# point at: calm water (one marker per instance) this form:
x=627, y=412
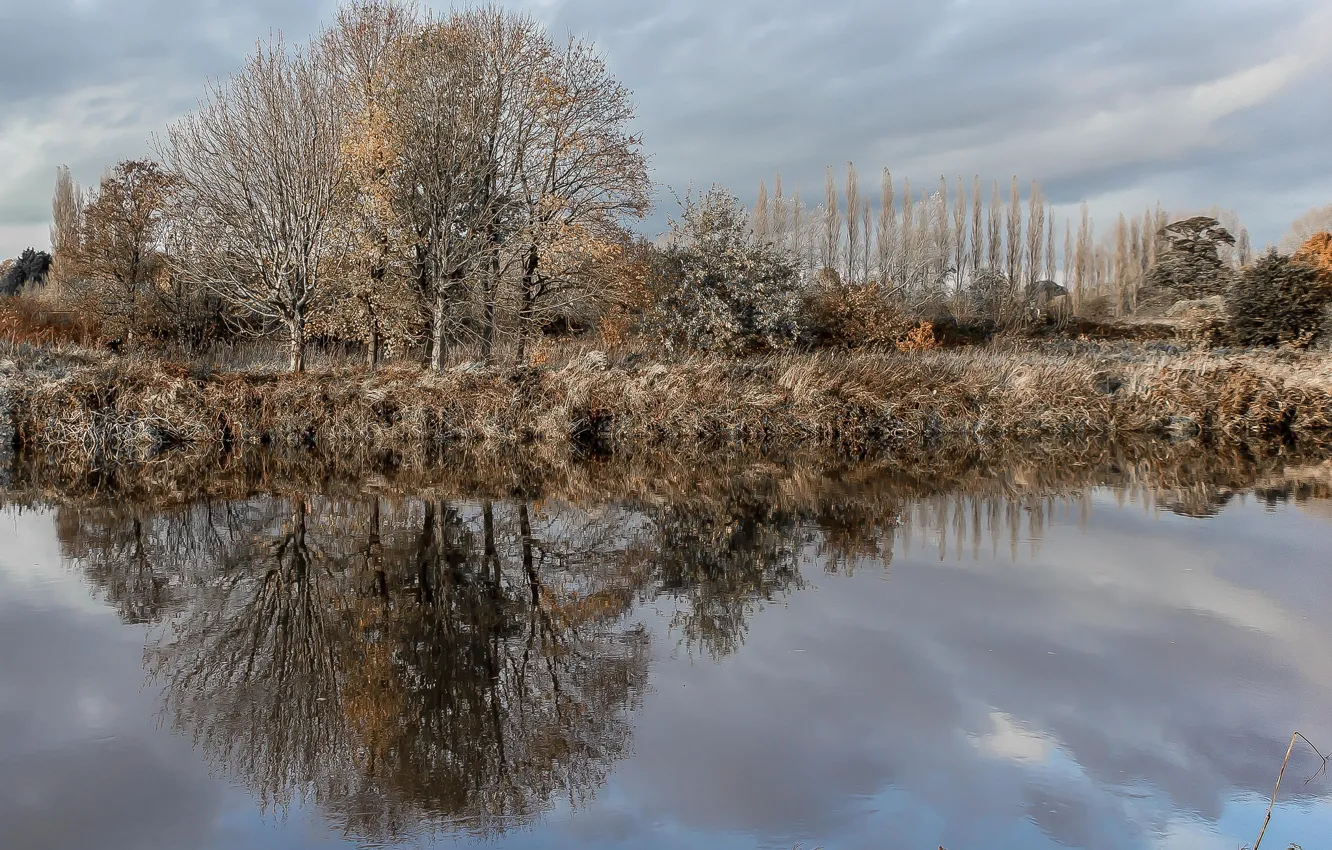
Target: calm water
x=1086, y=671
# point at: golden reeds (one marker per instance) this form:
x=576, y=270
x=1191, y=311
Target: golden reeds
x=856, y=404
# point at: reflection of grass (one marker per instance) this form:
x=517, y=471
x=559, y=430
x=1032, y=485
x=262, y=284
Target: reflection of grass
x=1298, y=736
x=1191, y=477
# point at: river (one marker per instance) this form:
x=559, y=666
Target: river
x=837, y=667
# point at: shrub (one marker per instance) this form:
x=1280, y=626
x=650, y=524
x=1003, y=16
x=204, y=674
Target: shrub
x=852, y=316
x=30, y=269
x=24, y=319
x=1317, y=253
x=919, y=338
x=1277, y=301
x=718, y=288
x=997, y=299
x=1191, y=266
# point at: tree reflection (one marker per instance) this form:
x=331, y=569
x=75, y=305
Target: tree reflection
x=723, y=559
x=411, y=665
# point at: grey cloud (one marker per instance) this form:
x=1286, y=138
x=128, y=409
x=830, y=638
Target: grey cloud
x=1096, y=100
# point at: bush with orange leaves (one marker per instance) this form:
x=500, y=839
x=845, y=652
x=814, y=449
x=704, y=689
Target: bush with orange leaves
x=854, y=315
x=919, y=338
x=1317, y=252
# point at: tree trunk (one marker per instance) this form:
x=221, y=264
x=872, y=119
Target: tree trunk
x=373, y=346
x=491, y=287
x=437, y=334
x=296, y=327
x=527, y=298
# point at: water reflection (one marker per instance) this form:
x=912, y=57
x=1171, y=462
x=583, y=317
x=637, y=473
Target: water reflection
x=415, y=665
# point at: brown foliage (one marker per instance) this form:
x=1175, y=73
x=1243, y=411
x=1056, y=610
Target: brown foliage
x=1317, y=252
x=854, y=315
x=119, y=250
x=26, y=320
x=919, y=338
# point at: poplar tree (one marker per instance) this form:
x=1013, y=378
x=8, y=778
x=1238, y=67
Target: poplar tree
x=960, y=254
x=852, y=221
x=1070, y=275
x=1014, y=240
x=832, y=223
x=887, y=242
x=995, y=214
x=867, y=238
x=780, y=223
x=907, y=239
x=1050, y=245
x=942, y=234
x=1035, y=232
x=761, y=213
x=977, y=235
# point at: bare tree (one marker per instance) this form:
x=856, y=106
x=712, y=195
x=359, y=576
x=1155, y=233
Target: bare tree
x=852, y=221
x=1050, y=270
x=977, y=235
x=1070, y=276
x=995, y=227
x=866, y=239
x=832, y=223
x=374, y=298
x=1121, y=266
x=781, y=215
x=584, y=172
x=760, y=216
x=797, y=227
x=907, y=237
x=1014, y=240
x=435, y=129
x=942, y=233
x=887, y=244
x=1035, y=231
x=261, y=162
x=960, y=254
x=1084, y=259
x=67, y=203
x=1316, y=220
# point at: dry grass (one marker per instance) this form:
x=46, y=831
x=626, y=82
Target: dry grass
x=94, y=412
x=37, y=321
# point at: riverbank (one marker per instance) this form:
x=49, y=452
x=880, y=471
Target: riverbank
x=91, y=411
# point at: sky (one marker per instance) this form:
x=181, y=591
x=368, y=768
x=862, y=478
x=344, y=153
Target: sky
x=1193, y=103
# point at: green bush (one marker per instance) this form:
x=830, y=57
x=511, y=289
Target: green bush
x=1277, y=301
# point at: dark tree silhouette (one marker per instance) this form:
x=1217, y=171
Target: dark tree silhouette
x=29, y=269
x=1191, y=265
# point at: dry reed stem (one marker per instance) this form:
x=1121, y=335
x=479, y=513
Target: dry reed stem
x=1272, y=803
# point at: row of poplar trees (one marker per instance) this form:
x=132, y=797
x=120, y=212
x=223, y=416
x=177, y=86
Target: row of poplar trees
x=402, y=177
x=953, y=240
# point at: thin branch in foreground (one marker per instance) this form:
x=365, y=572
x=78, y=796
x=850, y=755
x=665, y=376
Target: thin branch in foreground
x=1272, y=803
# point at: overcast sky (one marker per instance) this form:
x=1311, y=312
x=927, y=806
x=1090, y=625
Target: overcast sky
x=1191, y=102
